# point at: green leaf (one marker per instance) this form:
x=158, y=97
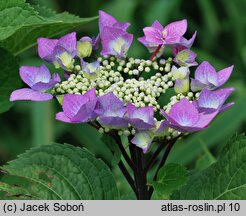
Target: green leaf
x=114, y=148
x=204, y=162
x=62, y=172
x=224, y=180
x=9, y=79
x=21, y=24
x=171, y=177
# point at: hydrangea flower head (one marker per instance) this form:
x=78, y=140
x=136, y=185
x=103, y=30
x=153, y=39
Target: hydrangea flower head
x=124, y=96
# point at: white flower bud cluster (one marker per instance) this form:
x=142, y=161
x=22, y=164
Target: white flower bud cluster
x=110, y=78
x=135, y=67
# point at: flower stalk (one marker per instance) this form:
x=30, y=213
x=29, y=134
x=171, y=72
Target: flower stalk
x=156, y=51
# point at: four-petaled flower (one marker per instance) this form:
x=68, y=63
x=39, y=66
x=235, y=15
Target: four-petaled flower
x=168, y=35
x=207, y=77
x=140, y=118
x=111, y=111
x=90, y=70
x=115, y=42
x=214, y=100
x=186, y=117
x=59, y=52
x=78, y=108
x=39, y=80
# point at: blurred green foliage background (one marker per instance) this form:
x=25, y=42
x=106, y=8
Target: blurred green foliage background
x=221, y=39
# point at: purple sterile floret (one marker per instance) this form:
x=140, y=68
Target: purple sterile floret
x=90, y=69
x=171, y=34
x=206, y=76
x=185, y=117
x=51, y=50
x=111, y=111
x=39, y=80
x=214, y=100
x=115, y=42
x=78, y=108
x=186, y=58
x=106, y=20
x=140, y=118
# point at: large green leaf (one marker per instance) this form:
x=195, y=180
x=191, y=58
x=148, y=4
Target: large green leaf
x=225, y=179
x=21, y=24
x=9, y=79
x=61, y=172
x=171, y=177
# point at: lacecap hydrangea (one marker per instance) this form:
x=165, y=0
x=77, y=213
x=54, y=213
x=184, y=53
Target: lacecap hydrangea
x=146, y=100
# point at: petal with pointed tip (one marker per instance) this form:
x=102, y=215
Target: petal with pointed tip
x=62, y=117
x=105, y=19
x=46, y=48
x=28, y=74
x=156, y=24
x=213, y=99
x=174, y=31
x=69, y=43
x=206, y=74
x=29, y=94
x=224, y=75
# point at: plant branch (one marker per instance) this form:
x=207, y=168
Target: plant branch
x=123, y=151
x=128, y=177
x=142, y=178
x=93, y=125
x=153, y=158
